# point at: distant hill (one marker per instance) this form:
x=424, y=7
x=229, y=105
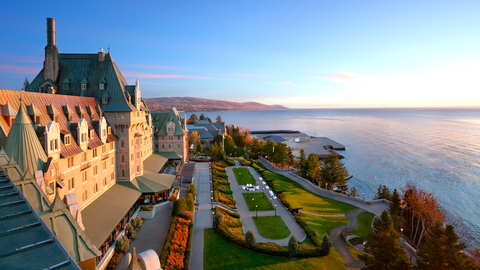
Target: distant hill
x=191, y=104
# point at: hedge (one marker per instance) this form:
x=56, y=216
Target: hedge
x=223, y=182
x=189, y=246
x=232, y=214
x=224, y=190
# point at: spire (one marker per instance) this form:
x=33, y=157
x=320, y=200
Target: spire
x=134, y=265
x=22, y=144
x=25, y=84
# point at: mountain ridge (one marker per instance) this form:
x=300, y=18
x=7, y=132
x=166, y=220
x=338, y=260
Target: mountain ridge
x=192, y=104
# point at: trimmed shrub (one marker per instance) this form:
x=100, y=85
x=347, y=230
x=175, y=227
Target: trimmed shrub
x=292, y=246
x=224, y=190
x=179, y=206
x=137, y=222
x=192, y=189
x=190, y=202
x=223, y=182
x=188, y=215
x=168, y=242
x=130, y=232
x=218, y=219
x=326, y=245
x=189, y=246
x=146, y=208
x=250, y=239
x=226, y=212
x=122, y=244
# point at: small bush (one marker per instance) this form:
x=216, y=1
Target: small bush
x=192, y=189
x=130, y=231
x=250, y=239
x=190, y=202
x=179, y=206
x=137, y=222
x=146, y=208
x=188, y=215
x=122, y=244
x=293, y=246
x=218, y=219
x=326, y=245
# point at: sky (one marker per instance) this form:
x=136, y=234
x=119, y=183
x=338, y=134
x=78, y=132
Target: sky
x=300, y=54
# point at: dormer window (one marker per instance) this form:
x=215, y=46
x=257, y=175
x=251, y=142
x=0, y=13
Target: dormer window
x=92, y=134
x=101, y=84
x=109, y=130
x=65, y=84
x=84, y=83
x=67, y=140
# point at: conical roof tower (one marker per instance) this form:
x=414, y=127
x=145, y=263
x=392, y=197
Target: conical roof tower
x=22, y=144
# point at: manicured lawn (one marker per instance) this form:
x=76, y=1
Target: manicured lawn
x=243, y=176
x=355, y=253
x=262, y=202
x=227, y=187
x=364, y=224
x=323, y=225
x=297, y=196
x=272, y=227
x=221, y=254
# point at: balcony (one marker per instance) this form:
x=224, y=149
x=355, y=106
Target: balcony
x=85, y=166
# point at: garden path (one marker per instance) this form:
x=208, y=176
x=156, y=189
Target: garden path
x=203, y=218
x=247, y=216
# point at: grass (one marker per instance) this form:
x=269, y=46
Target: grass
x=323, y=225
x=272, y=227
x=297, y=196
x=227, y=187
x=262, y=202
x=352, y=251
x=243, y=176
x=364, y=224
x=221, y=254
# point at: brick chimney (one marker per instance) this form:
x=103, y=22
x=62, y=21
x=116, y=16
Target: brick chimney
x=51, y=65
x=101, y=55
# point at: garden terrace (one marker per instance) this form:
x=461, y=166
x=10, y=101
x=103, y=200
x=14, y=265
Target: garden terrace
x=262, y=201
x=271, y=227
x=243, y=176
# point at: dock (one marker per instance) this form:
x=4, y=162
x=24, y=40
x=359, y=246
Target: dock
x=322, y=147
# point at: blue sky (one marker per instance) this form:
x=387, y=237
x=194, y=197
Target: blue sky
x=301, y=54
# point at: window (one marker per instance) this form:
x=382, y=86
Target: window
x=95, y=171
x=65, y=86
x=123, y=173
x=85, y=195
x=111, y=146
x=163, y=146
x=71, y=183
x=53, y=172
x=105, y=181
x=104, y=165
x=112, y=161
x=95, y=188
x=138, y=168
x=123, y=159
x=67, y=139
x=122, y=144
x=92, y=132
x=121, y=129
x=84, y=86
x=179, y=146
x=138, y=155
x=94, y=151
x=101, y=86
x=138, y=114
x=70, y=162
x=112, y=176
x=169, y=146
x=84, y=176
x=104, y=148
x=137, y=141
x=131, y=156
x=179, y=138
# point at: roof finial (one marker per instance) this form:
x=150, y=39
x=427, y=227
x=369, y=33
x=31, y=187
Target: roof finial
x=108, y=48
x=20, y=97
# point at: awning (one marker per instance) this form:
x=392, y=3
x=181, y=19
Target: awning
x=102, y=216
x=170, y=155
x=154, y=182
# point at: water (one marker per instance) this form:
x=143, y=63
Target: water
x=439, y=149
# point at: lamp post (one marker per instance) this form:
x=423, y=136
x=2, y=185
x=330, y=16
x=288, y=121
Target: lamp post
x=256, y=210
x=213, y=222
x=253, y=203
x=271, y=198
x=401, y=230
x=263, y=192
x=191, y=148
x=275, y=209
x=363, y=196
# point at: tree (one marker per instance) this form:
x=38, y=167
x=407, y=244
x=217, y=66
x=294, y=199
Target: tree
x=229, y=145
x=441, y=250
x=255, y=145
x=218, y=119
x=194, y=138
x=190, y=202
x=122, y=244
x=333, y=172
x=250, y=239
x=240, y=141
x=310, y=165
x=293, y=246
x=326, y=245
x=217, y=152
x=179, y=206
x=202, y=117
x=383, y=192
x=395, y=209
x=353, y=192
x=383, y=249
x=193, y=119
x=199, y=148
x=269, y=148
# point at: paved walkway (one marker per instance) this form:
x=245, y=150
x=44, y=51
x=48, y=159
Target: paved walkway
x=335, y=235
x=153, y=232
x=203, y=218
x=246, y=216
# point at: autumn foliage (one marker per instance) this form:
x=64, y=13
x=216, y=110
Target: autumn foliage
x=176, y=256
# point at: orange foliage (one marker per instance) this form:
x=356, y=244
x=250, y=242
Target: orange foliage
x=179, y=245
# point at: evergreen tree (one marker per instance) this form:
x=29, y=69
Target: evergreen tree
x=293, y=246
x=333, y=172
x=240, y=141
x=199, y=148
x=193, y=119
x=301, y=163
x=255, y=145
x=383, y=192
x=353, y=192
x=218, y=119
x=311, y=164
x=395, y=209
x=218, y=219
x=441, y=250
x=383, y=249
x=202, y=117
x=326, y=245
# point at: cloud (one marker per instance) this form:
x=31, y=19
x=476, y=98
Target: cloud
x=289, y=83
x=149, y=66
x=345, y=78
x=163, y=76
x=19, y=70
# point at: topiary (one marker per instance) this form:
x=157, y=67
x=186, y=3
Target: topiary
x=218, y=219
x=136, y=222
x=190, y=202
x=179, y=206
x=250, y=239
x=130, y=231
x=122, y=244
x=326, y=245
x=293, y=246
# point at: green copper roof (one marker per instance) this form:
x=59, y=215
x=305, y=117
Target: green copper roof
x=23, y=146
x=78, y=68
x=164, y=118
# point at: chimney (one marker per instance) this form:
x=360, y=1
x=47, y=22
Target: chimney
x=50, y=65
x=101, y=55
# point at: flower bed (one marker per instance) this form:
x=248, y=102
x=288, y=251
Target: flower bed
x=178, y=245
